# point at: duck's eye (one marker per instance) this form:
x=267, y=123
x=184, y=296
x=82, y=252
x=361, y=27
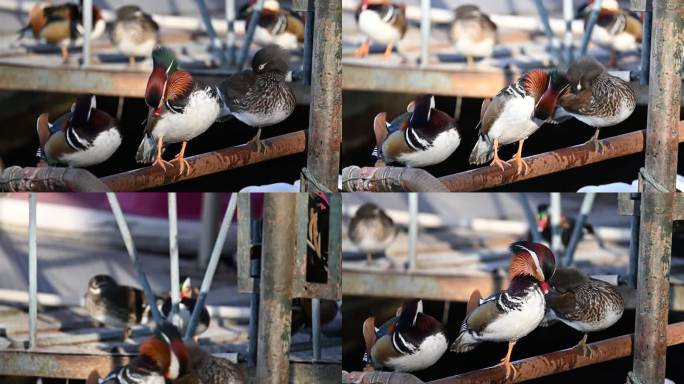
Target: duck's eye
x=262, y=66
x=579, y=86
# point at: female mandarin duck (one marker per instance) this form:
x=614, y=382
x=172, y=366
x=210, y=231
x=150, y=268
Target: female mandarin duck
x=515, y=312
x=515, y=113
x=134, y=32
x=381, y=21
x=409, y=342
x=371, y=230
x=420, y=137
x=84, y=137
x=472, y=32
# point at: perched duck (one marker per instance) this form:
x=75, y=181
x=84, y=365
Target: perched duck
x=382, y=22
x=302, y=313
x=277, y=25
x=83, y=137
x=134, y=33
x=515, y=312
x=420, y=137
x=583, y=303
x=180, y=110
x=162, y=357
x=472, y=32
x=188, y=299
x=114, y=305
x=207, y=369
x=62, y=24
x=371, y=230
x=617, y=30
x=260, y=97
x=566, y=225
x=409, y=342
x=515, y=113
x=595, y=97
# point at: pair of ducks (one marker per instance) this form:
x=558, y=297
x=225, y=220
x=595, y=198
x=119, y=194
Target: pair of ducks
x=165, y=358
x=180, y=109
x=538, y=294
x=425, y=136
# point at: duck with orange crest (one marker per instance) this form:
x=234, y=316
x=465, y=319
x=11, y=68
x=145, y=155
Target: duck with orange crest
x=277, y=25
x=515, y=113
x=511, y=314
x=420, y=137
x=180, y=109
x=188, y=300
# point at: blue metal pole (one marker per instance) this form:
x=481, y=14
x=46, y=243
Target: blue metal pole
x=589, y=27
x=568, y=15
x=544, y=17
x=529, y=216
x=173, y=253
x=308, y=40
x=87, y=30
x=555, y=216
x=646, y=44
x=206, y=18
x=249, y=33
x=316, y=328
x=587, y=203
x=634, y=226
x=211, y=268
x=424, y=32
x=413, y=229
x=230, y=32
x=255, y=274
x=33, y=271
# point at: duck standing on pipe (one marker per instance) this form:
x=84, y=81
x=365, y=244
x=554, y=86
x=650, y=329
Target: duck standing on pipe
x=381, y=21
x=277, y=25
x=134, y=32
x=472, y=32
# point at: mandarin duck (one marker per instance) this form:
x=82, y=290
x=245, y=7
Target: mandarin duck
x=596, y=98
x=382, y=22
x=616, y=29
x=582, y=303
x=188, y=299
x=420, y=137
x=515, y=113
x=162, y=357
x=260, y=97
x=83, y=137
x=472, y=32
x=409, y=342
x=62, y=24
x=180, y=109
x=277, y=25
x=513, y=313
x=567, y=224
x=115, y=305
x=134, y=32
x=205, y=368
x=371, y=230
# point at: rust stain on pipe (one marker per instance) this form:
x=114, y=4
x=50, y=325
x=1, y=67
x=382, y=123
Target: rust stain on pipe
x=561, y=361
x=208, y=163
x=550, y=162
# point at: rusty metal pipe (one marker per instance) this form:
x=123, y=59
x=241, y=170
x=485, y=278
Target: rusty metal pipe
x=378, y=377
x=561, y=361
x=208, y=163
x=49, y=179
x=558, y=160
x=275, y=307
x=389, y=179
x=325, y=116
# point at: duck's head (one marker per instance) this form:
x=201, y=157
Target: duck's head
x=422, y=108
x=99, y=282
x=186, y=289
x=583, y=72
x=546, y=88
x=167, y=350
x=82, y=109
x=271, y=59
x=534, y=260
x=164, y=65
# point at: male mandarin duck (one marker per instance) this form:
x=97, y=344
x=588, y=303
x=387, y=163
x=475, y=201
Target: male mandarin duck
x=382, y=22
x=616, y=29
x=371, y=230
x=515, y=312
x=472, y=32
x=583, y=303
x=277, y=25
x=260, y=97
x=595, y=97
x=115, y=305
x=83, y=137
x=134, y=33
x=566, y=225
x=420, y=137
x=515, y=113
x=188, y=300
x=409, y=342
x=162, y=357
x=205, y=368
x=62, y=24
x=180, y=110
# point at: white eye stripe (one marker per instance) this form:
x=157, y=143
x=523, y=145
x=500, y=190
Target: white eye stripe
x=535, y=259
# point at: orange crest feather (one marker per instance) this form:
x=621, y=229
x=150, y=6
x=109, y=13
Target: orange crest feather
x=158, y=351
x=536, y=82
x=179, y=84
x=520, y=266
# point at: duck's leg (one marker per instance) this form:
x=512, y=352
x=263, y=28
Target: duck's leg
x=586, y=351
x=65, y=54
x=362, y=51
x=131, y=60
x=388, y=51
x=158, y=160
x=496, y=161
x=506, y=362
x=520, y=163
x=257, y=142
x=180, y=157
x=470, y=60
x=598, y=147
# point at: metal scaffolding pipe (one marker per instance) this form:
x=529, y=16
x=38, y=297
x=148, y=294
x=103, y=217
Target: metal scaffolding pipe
x=544, y=17
x=413, y=229
x=658, y=192
x=589, y=26
x=87, y=29
x=587, y=203
x=316, y=328
x=376, y=377
x=529, y=216
x=208, y=163
x=49, y=179
x=562, y=361
x=634, y=220
x=424, y=32
x=646, y=43
x=557, y=161
x=308, y=40
x=229, y=54
x=249, y=34
x=255, y=274
x=555, y=220
x=568, y=16
x=211, y=268
x=210, y=225
x=389, y=179
x=277, y=267
x=33, y=270
x=173, y=256
x=206, y=19
x=325, y=116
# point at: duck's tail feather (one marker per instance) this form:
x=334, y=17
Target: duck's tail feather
x=147, y=150
x=482, y=152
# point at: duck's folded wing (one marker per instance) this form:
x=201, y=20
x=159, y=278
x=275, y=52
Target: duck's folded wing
x=483, y=315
